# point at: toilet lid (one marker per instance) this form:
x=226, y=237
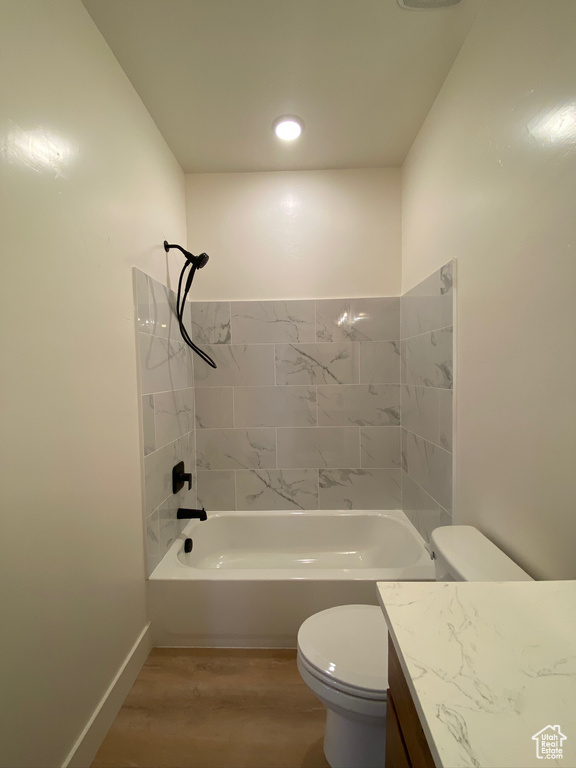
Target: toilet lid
x=349, y=644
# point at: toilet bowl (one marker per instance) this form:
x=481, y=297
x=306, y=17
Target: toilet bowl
x=343, y=652
x=343, y=658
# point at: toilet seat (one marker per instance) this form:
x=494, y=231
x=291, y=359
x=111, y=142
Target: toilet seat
x=345, y=648
x=338, y=685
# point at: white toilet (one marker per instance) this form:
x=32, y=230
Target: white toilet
x=343, y=651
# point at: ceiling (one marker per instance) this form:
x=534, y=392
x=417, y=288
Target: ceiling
x=214, y=74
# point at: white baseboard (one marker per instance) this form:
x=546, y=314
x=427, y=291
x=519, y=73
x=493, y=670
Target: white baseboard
x=82, y=753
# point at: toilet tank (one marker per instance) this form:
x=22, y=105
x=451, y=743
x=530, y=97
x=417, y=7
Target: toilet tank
x=462, y=553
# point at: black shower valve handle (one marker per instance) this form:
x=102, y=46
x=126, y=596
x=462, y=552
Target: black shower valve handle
x=179, y=477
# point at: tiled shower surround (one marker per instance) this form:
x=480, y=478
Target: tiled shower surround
x=426, y=330
x=303, y=411
x=167, y=409
x=315, y=404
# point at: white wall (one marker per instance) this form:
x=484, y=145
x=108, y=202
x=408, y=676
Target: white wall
x=88, y=188
x=295, y=235
x=491, y=181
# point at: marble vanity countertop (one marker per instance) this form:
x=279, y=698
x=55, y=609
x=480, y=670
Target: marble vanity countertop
x=489, y=666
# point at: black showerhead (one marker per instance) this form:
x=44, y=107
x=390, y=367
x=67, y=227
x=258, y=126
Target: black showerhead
x=197, y=261
x=201, y=260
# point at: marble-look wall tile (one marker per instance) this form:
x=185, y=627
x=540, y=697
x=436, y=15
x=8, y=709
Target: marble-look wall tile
x=217, y=490
x=155, y=307
x=164, y=321
x=429, y=359
x=429, y=305
x=214, y=407
x=380, y=362
x=358, y=319
x=446, y=418
x=375, y=405
x=260, y=444
x=210, y=322
x=186, y=497
x=148, y=425
x=169, y=525
x=427, y=377
x=318, y=447
x=164, y=364
x=421, y=411
x=317, y=364
x=359, y=489
x=174, y=415
x=277, y=489
x=235, y=448
x=404, y=450
x=158, y=470
x=239, y=365
x=424, y=513
x=259, y=322
x=167, y=411
x=431, y=468
x=168, y=532
x=403, y=362
x=142, y=301
x=152, y=539
x=380, y=447
x=275, y=406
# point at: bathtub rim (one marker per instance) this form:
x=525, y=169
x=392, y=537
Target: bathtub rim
x=170, y=568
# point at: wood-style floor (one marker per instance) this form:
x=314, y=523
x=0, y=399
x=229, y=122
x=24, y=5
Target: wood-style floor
x=217, y=708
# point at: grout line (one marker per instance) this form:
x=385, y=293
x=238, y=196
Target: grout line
x=315, y=320
x=180, y=437
x=338, y=468
x=426, y=493
x=296, y=386
x=165, y=391
x=425, y=386
x=293, y=342
x=425, y=440
x=303, y=426
x=425, y=333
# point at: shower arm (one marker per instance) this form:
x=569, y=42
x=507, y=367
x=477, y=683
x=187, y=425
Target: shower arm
x=168, y=245
x=196, y=261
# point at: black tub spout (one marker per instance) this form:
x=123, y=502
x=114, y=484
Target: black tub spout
x=191, y=514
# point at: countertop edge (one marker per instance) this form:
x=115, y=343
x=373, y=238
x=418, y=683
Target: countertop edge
x=421, y=715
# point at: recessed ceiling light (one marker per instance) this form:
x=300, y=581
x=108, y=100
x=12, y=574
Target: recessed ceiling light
x=288, y=127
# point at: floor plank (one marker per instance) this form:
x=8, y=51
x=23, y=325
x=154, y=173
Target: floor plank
x=217, y=708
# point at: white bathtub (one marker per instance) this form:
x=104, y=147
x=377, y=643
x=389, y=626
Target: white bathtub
x=253, y=577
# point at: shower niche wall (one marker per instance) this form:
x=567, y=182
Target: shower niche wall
x=427, y=374
x=166, y=376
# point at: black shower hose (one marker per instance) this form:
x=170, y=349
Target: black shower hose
x=181, y=303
